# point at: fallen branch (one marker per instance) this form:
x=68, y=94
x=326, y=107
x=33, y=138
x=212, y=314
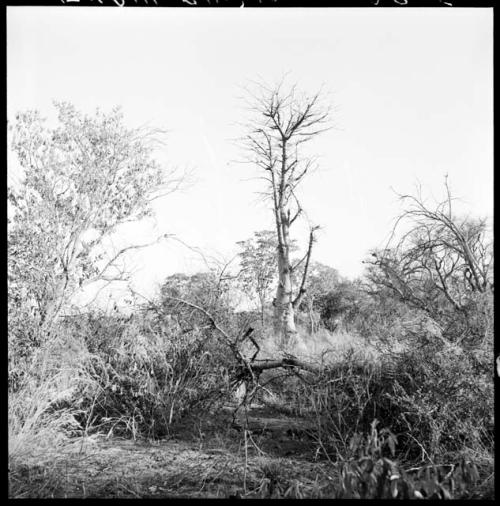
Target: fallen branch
x=249, y=370
x=286, y=363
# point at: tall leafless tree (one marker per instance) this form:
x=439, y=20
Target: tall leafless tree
x=282, y=120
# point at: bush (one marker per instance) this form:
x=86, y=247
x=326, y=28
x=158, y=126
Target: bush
x=372, y=475
x=147, y=377
x=434, y=398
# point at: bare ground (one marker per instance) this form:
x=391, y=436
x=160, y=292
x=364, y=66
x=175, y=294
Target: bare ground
x=213, y=458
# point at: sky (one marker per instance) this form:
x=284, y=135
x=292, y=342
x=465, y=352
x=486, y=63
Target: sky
x=411, y=92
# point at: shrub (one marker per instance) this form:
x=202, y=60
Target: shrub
x=147, y=377
x=372, y=475
x=432, y=397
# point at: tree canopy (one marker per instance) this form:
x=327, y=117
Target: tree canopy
x=81, y=180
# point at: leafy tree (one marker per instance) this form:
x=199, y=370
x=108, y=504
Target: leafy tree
x=322, y=281
x=283, y=121
x=259, y=266
x=208, y=290
x=82, y=179
x=342, y=303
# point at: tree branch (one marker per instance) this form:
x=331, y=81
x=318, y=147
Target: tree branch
x=302, y=290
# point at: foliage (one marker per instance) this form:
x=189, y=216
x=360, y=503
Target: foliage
x=371, y=475
x=81, y=180
x=433, y=398
x=144, y=375
x=211, y=291
x=342, y=302
x=429, y=308
x=321, y=280
x=382, y=318
x=149, y=375
x=43, y=411
x=259, y=266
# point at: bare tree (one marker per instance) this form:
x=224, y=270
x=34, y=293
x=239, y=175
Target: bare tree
x=282, y=121
x=441, y=265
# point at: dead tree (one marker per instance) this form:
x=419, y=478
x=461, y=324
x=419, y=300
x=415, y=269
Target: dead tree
x=282, y=121
x=442, y=265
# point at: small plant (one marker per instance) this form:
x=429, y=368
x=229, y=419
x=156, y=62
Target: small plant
x=275, y=482
x=271, y=484
x=373, y=476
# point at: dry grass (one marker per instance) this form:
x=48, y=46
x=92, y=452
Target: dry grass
x=42, y=415
x=322, y=346
x=51, y=455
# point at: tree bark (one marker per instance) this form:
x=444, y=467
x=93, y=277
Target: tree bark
x=284, y=313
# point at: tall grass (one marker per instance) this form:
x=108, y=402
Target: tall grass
x=43, y=413
x=108, y=376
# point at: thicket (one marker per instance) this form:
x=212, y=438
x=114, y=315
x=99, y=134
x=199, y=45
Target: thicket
x=409, y=392
x=137, y=375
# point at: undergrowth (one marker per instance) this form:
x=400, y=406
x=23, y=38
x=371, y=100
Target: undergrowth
x=132, y=379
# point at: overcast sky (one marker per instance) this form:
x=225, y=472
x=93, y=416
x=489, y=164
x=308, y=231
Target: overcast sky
x=411, y=91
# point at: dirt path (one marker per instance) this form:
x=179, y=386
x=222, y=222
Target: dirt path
x=207, y=461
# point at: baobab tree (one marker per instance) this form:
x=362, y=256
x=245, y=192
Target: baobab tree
x=282, y=121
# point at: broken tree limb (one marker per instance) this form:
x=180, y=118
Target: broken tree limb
x=286, y=363
x=252, y=369
x=249, y=370
x=302, y=290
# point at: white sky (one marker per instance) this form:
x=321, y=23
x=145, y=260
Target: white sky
x=412, y=91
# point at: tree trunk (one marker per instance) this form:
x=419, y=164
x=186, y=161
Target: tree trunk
x=262, y=309
x=311, y=317
x=53, y=302
x=284, y=313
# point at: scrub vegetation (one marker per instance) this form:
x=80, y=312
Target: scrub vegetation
x=317, y=386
